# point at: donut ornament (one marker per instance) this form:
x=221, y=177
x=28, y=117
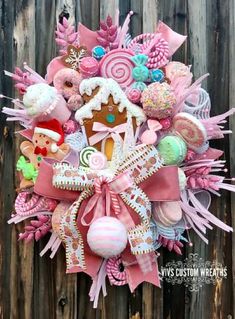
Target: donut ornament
x=190, y=129
x=67, y=82
x=117, y=64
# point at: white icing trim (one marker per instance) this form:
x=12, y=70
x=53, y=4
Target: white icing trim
x=107, y=87
x=53, y=135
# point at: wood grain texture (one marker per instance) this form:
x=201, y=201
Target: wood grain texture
x=38, y=288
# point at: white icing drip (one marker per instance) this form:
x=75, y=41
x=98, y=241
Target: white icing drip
x=107, y=87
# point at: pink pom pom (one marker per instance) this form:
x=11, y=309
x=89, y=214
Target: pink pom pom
x=107, y=237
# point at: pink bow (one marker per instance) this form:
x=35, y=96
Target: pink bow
x=104, y=131
x=105, y=196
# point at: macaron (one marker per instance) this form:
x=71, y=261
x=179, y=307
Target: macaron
x=167, y=213
x=172, y=149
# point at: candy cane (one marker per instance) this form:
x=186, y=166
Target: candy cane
x=35, y=204
x=115, y=275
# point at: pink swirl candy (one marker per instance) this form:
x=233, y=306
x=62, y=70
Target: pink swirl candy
x=134, y=95
x=97, y=161
x=117, y=65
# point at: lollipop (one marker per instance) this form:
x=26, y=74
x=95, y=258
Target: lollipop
x=158, y=100
x=85, y=154
x=117, y=65
x=97, y=161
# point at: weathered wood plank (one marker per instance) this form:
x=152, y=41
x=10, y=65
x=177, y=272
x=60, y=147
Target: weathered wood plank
x=231, y=50
x=108, y=7
x=150, y=15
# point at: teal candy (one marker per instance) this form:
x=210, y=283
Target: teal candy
x=140, y=73
x=98, y=52
x=140, y=59
x=156, y=75
x=139, y=86
x=172, y=149
x=110, y=118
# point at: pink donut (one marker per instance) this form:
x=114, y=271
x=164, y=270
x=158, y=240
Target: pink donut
x=67, y=82
x=167, y=213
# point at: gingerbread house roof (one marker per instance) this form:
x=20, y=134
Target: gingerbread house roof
x=107, y=87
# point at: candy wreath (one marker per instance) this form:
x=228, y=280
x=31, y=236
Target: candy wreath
x=116, y=160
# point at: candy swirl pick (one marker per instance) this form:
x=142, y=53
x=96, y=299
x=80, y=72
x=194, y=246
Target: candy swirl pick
x=190, y=129
x=117, y=65
x=85, y=154
x=97, y=161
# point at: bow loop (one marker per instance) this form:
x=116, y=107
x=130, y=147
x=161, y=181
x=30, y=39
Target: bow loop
x=104, y=131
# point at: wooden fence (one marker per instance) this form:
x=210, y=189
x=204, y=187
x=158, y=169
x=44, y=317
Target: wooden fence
x=38, y=288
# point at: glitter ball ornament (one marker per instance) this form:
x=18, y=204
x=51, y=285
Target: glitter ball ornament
x=107, y=237
x=158, y=100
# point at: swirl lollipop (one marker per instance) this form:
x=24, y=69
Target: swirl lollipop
x=117, y=65
x=190, y=129
x=97, y=161
x=85, y=154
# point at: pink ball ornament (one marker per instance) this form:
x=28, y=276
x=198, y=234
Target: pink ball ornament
x=166, y=123
x=107, y=237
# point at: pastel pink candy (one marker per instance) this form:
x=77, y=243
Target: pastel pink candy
x=97, y=161
x=167, y=213
x=89, y=67
x=149, y=137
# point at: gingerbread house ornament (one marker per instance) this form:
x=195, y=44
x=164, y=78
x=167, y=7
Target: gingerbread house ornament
x=107, y=115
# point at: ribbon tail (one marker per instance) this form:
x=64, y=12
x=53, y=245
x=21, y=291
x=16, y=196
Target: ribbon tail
x=135, y=276
x=98, y=284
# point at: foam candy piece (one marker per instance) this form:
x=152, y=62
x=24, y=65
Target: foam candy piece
x=191, y=129
x=107, y=237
